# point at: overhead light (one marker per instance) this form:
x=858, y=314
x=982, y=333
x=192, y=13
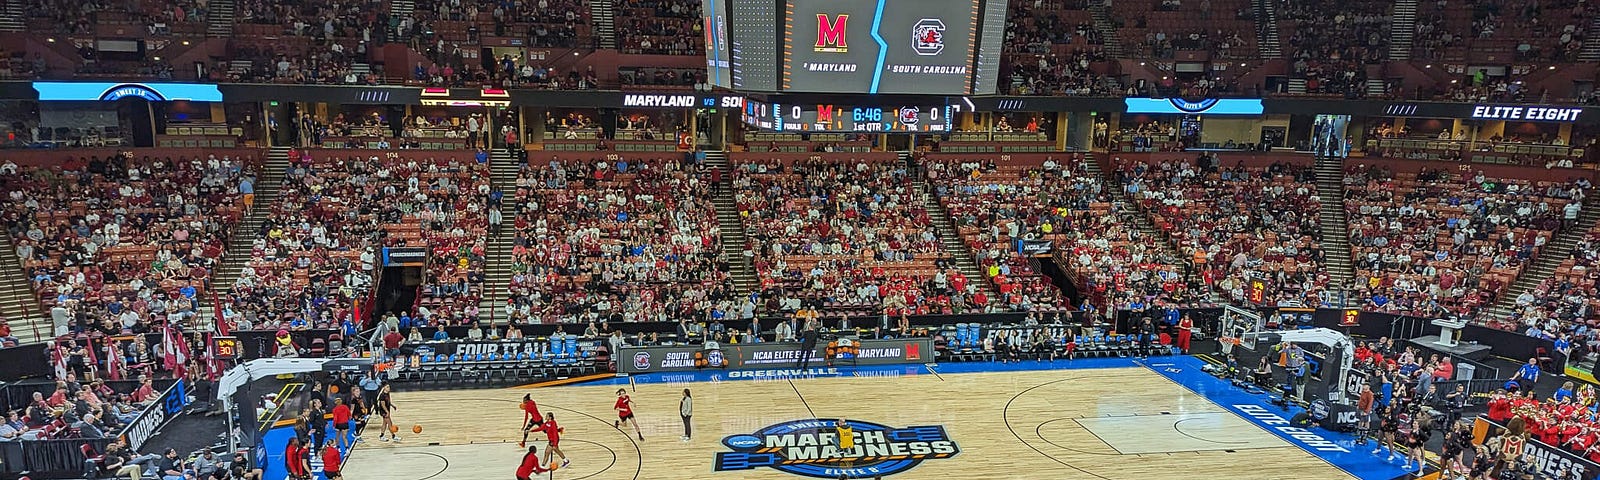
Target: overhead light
x=51, y=40
x=185, y=42
x=1552, y=67
x=158, y=59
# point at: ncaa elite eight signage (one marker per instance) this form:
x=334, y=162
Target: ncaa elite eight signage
x=811, y=448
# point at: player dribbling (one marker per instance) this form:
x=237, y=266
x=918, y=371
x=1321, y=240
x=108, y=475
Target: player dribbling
x=552, y=432
x=624, y=408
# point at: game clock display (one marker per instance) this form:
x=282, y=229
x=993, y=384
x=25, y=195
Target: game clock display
x=840, y=118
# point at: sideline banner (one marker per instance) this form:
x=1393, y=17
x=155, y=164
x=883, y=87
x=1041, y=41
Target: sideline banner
x=772, y=355
x=157, y=415
x=1548, y=460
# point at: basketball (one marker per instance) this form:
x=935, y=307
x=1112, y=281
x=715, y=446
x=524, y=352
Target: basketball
x=394, y=429
x=416, y=429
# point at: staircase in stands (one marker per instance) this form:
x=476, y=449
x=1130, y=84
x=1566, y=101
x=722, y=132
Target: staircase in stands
x=269, y=178
x=1120, y=202
x=1554, y=253
x=401, y=8
x=19, y=304
x=12, y=16
x=1106, y=27
x=745, y=278
x=219, y=21
x=602, y=13
x=1591, y=46
x=1402, y=29
x=1335, y=236
x=949, y=236
x=1268, y=42
x=503, y=169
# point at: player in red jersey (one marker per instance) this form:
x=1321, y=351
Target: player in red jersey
x=624, y=408
x=530, y=464
x=530, y=418
x=331, y=463
x=552, y=432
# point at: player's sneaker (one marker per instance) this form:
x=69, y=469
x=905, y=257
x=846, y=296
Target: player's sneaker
x=522, y=444
x=565, y=462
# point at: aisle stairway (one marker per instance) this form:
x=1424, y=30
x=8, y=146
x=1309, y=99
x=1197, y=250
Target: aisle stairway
x=12, y=18
x=950, y=236
x=1554, y=253
x=1402, y=29
x=503, y=168
x=1267, y=39
x=602, y=13
x=1122, y=203
x=219, y=21
x=745, y=278
x=18, y=303
x=1591, y=46
x=269, y=179
x=1335, y=235
x=1106, y=27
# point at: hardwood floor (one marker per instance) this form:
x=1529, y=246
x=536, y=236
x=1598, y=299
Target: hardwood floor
x=1095, y=424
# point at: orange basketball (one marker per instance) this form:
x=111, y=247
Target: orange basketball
x=416, y=429
x=394, y=429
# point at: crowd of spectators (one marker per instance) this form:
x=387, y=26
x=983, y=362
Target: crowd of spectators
x=1237, y=224
x=158, y=17
x=1446, y=244
x=120, y=242
x=612, y=239
x=332, y=63
x=995, y=204
x=846, y=235
x=679, y=77
x=1049, y=74
x=1565, y=302
x=660, y=27
x=1332, y=42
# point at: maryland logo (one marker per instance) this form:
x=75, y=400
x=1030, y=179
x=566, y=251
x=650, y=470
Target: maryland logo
x=927, y=37
x=830, y=33
x=811, y=448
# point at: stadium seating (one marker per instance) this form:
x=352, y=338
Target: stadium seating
x=608, y=239
x=105, y=236
x=1440, y=242
x=660, y=27
x=1113, y=265
x=1237, y=224
x=847, y=234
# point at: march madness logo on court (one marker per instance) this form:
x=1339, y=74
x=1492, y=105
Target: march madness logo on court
x=927, y=37
x=810, y=448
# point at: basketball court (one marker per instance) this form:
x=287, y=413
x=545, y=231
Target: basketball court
x=1119, y=422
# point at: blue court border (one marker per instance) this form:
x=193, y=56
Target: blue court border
x=1337, y=449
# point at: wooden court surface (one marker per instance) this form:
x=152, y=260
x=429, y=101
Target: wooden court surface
x=1123, y=423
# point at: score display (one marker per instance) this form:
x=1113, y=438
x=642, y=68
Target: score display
x=828, y=118
x=888, y=46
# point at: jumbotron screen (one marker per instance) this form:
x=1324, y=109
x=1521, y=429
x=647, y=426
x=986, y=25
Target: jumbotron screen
x=889, y=46
x=938, y=47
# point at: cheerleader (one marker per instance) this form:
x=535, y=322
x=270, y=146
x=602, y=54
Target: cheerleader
x=1386, y=430
x=1416, y=441
x=1456, y=443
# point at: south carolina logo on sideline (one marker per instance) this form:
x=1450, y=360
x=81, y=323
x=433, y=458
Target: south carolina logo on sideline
x=641, y=360
x=810, y=448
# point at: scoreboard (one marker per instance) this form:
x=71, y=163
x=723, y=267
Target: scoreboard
x=830, y=118
x=939, y=47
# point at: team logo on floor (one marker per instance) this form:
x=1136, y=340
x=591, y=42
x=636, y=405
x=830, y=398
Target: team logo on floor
x=811, y=448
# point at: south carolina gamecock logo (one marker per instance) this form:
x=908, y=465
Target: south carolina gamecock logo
x=927, y=36
x=811, y=448
x=641, y=360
